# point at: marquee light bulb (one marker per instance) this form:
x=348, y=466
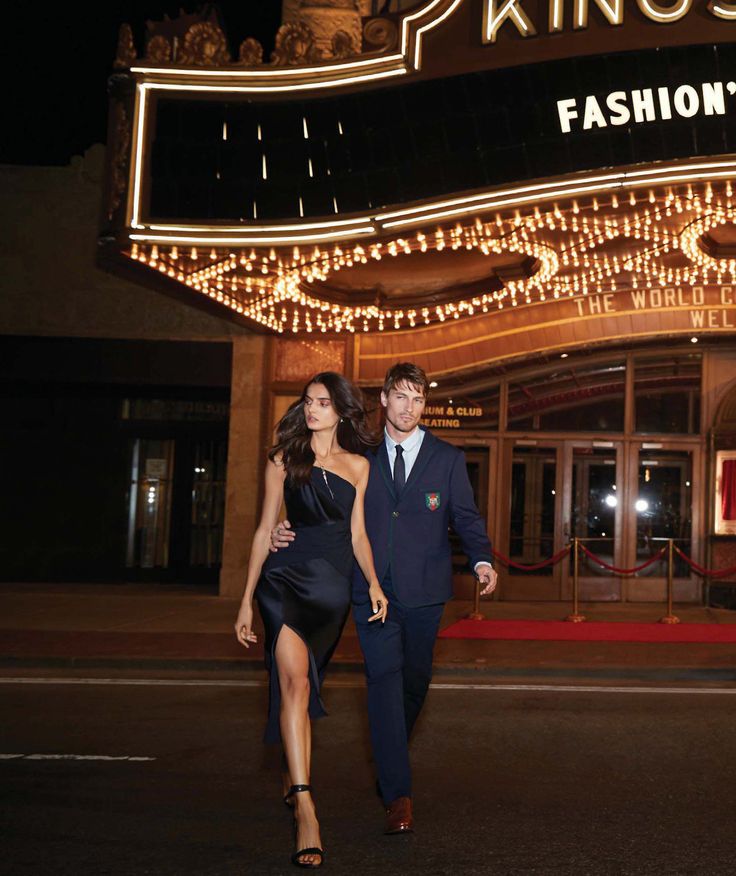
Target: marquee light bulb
x=588, y=259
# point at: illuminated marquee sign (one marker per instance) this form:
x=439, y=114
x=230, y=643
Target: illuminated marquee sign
x=513, y=14
x=644, y=105
x=703, y=313
x=449, y=416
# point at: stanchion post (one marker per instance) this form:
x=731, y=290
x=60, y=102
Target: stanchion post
x=475, y=614
x=575, y=617
x=670, y=618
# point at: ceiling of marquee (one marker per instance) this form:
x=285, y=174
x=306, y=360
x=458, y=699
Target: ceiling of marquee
x=419, y=278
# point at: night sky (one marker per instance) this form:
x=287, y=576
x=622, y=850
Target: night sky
x=58, y=62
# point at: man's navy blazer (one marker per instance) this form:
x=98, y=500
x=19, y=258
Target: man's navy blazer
x=409, y=533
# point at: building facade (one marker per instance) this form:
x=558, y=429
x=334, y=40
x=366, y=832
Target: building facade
x=532, y=200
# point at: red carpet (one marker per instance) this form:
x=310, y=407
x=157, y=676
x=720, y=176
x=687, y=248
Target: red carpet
x=562, y=631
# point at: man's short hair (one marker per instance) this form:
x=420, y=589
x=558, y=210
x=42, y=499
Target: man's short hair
x=406, y=372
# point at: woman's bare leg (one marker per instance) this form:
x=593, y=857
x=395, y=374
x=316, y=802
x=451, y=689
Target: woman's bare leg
x=292, y=660
x=286, y=780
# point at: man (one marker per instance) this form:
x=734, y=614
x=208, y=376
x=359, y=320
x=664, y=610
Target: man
x=418, y=486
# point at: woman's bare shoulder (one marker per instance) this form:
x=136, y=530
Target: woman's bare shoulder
x=359, y=465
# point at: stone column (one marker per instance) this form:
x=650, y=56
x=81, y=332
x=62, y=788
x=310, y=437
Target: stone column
x=245, y=460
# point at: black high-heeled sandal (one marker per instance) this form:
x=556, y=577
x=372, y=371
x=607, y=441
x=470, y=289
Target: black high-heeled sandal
x=312, y=850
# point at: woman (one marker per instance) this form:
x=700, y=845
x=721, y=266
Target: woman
x=303, y=594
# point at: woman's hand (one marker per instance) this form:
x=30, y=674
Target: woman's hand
x=379, y=603
x=244, y=625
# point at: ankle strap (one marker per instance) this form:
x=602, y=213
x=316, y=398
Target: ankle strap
x=298, y=789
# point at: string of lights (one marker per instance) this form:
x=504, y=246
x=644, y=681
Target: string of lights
x=599, y=242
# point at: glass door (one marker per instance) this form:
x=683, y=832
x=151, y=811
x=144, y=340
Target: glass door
x=594, y=508
x=661, y=507
x=149, y=503
x=623, y=500
x=533, y=531
x=208, y=503
x=559, y=491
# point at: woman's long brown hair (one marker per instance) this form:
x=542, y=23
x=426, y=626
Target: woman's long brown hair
x=294, y=438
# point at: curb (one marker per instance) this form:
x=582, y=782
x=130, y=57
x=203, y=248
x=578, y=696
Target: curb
x=474, y=670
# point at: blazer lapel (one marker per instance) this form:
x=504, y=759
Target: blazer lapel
x=426, y=452
x=385, y=468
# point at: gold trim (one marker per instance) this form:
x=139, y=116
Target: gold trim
x=477, y=363
x=528, y=329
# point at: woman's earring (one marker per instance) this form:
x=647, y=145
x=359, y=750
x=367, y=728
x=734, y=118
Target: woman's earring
x=342, y=419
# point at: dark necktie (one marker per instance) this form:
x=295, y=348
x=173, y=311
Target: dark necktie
x=399, y=470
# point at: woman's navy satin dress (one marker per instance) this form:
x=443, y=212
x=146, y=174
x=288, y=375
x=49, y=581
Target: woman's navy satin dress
x=307, y=585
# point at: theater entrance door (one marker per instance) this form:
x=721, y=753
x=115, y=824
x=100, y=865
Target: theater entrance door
x=556, y=490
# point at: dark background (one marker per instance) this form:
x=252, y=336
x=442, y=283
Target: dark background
x=67, y=451
x=65, y=444
x=58, y=61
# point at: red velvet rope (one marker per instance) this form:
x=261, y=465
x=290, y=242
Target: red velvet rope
x=708, y=573
x=610, y=568
x=532, y=568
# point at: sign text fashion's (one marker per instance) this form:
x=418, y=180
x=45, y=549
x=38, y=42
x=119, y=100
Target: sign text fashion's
x=641, y=105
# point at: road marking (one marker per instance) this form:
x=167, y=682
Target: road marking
x=524, y=688
x=579, y=688
x=126, y=757
x=139, y=682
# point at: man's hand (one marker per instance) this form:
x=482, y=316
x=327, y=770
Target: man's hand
x=488, y=578
x=282, y=536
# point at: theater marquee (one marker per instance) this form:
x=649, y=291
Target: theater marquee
x=443, y=189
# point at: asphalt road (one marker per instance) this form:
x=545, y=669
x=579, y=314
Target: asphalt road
x=507, y=781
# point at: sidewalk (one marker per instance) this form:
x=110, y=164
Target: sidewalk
x=158, y=627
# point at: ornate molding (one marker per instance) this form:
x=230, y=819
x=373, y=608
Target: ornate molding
x=204, y=46
x=343, y=46
x=297, y=360
x=126, y=54
x=361, y=48
x=294, y=45
x=158, y=50
x=380, y=34
x=250, y=54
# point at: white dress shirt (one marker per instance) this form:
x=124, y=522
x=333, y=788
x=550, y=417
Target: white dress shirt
x=409, y=445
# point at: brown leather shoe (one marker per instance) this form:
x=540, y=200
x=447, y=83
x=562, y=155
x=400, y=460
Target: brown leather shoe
x=399, y=818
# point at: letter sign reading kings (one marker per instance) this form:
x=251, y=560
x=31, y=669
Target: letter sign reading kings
x=516, y=18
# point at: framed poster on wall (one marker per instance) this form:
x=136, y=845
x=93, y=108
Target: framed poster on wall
x=725, y=495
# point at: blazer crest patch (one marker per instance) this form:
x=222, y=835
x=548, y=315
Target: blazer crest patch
x=432, y=501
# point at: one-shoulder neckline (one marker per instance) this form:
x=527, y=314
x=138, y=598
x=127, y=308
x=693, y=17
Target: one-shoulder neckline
x=334, y=473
